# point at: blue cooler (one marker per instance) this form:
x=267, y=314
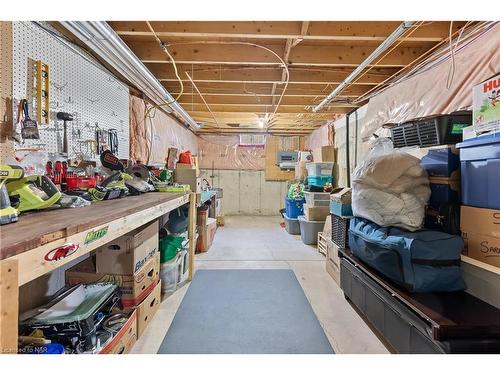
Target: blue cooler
x=293, y=207
x=480, y=167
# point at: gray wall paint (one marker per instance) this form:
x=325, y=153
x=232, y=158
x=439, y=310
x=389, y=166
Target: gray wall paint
x=248, y=192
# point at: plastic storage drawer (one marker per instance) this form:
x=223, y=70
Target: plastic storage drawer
x=292, y=226
x=319, y=180
x=319, y=169
x=402, y=328
x=294, y=207
x=317, y=199
x=480, y=167
x=309, y=230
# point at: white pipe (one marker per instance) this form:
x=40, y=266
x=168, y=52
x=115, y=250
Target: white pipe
x=104, y=41
x=389, y=41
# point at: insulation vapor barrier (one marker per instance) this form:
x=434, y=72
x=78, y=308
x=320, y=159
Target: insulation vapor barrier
x=225, y=152
x=150, y=138
x=426, y=93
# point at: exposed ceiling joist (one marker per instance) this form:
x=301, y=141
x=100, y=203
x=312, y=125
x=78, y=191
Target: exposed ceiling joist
x=301, y=55
x=323, y=31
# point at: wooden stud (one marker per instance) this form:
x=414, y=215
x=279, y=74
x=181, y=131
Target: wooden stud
x=192, y=233
x=9, y=306
x=6, y=145
x=318, y=30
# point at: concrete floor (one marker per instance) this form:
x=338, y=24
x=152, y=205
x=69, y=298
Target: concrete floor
x=260, y=242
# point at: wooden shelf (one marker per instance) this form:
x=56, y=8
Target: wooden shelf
x=479, y=264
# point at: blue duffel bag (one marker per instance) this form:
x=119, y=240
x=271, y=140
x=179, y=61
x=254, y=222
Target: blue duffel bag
x=422, y=261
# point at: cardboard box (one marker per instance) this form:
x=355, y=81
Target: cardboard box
x=193, y=167
x=481, y=247
x=201, y=217
x=125, y=339
x=188, y=177
x=341, y=195
x=148, y=308
x=133, y=288
x=301, y=170
x=316, y=213
x=324, y=154
x=333, y=261
x=206, y=235
x=128, y=253
x=481, y=233
x=486, y=105
x=480, y=220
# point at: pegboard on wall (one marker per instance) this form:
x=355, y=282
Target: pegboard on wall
x=78, y=86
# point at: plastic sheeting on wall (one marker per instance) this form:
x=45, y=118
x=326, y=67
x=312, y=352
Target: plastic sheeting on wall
x=224, y=152
x=426, y=94
x=321, y=137
x=166, y=133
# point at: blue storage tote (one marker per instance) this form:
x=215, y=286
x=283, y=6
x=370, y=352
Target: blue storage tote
x=443, y=191
x=480, y=168
x=293, y=207
x=442, y=162
x=319, y=180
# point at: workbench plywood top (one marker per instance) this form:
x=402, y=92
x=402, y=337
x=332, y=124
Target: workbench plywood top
x=35, y=229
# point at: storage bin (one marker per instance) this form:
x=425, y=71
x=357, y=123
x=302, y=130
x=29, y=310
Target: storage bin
x=442, y=162
x=309, y=230
x=443, y=191
x=169, y=275
x=319, y=180
x=480, y=171
x=292, y=226
x=317, y=199
x=340, y=228
x=340, y=209
x=293, y=207
x=319, y=169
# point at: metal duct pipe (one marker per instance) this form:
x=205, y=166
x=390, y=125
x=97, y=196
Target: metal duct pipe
x=103, y=40
x=381, y=48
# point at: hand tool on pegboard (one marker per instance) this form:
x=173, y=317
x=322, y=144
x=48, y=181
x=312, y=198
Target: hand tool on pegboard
x=42, y=92
x=65, y=117
x=29, y=127
x=113, y=140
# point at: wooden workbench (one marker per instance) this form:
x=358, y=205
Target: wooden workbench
x=38, y=243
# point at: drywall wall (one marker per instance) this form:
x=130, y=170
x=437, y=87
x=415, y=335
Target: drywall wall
x=247, y=192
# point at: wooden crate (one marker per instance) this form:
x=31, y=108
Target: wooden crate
x=322, y=243
x=333, y=261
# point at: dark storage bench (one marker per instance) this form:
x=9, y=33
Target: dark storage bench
x=420, y=322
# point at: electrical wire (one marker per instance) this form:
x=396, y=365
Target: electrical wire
x=451, y=72
x=285, y=66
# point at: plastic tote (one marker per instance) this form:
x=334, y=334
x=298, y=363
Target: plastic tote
x=169, y=275
x=317, y=199
x=293, y=207
x=480, y=167
x=291, y=225
x=319, y=180
x=319, y=169
x=309, y=230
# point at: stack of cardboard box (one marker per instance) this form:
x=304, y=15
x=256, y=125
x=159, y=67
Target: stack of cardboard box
x=131, y=261
x=206, y=227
